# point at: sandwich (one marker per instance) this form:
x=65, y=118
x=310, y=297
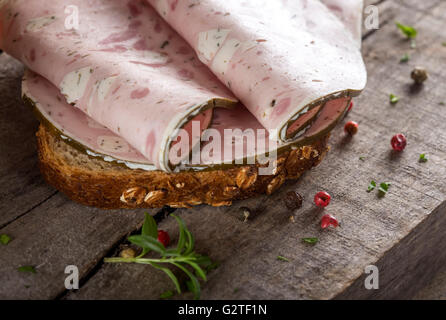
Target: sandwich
x=147, y=103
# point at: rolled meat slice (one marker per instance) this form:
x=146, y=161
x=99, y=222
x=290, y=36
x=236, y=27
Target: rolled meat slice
x=283, y=59
x=86, y=135
x=119, y=63
x=350, y=13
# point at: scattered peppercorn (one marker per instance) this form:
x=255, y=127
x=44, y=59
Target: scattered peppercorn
x=329, y=220
x=163, y=237
x=322, y=199
x=128, y=253
x=293, y=200
x=419, y=75
x=351, y=128
x=398, y=142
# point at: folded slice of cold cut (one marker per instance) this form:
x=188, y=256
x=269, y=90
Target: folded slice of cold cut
x=123, y=66
x=86, y=135
x=282, y=59
x=350, y=13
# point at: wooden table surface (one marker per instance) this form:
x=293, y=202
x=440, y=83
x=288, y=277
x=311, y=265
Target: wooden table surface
x=403, y=234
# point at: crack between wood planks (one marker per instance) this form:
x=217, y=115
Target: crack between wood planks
x=159, y=216
x=29, y=210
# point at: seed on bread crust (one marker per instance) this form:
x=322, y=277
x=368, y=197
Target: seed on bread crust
x=230, y=192
x=278, y=166
x=154, y=196
x=222, y=204
x=134, y=195
x=306, y=152
x=246, y=178
x=194, y=202
x=275, y=184
x=179, y=205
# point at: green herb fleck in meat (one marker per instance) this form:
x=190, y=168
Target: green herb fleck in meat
x=165, y=44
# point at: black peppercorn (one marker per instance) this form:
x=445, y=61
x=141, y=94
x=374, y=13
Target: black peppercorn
x=293, y=200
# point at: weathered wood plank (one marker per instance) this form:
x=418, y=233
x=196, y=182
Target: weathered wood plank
x=54, y=235
x=370, y=228
x=435, y=290
x=22, y=186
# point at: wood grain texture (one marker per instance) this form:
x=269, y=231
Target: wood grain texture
x=390, y=232
x=22, y=185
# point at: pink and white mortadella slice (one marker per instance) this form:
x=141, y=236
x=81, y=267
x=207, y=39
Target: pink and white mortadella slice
x=121, y=65
x=350, y=13
x=78, y=129
x=84, y=133
x=283, y=59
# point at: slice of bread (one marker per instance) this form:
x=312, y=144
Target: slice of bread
x=98, y=183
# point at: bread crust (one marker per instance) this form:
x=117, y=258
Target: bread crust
x=94, y=182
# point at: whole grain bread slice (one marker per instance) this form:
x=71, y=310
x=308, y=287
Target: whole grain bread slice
x=95, y=182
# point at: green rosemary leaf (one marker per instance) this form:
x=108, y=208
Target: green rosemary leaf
x=170, y=275
x=197, y=269
x=147, y=242
x=189, y=243
x=149, y=228
x=195, y=285
x=182, y=237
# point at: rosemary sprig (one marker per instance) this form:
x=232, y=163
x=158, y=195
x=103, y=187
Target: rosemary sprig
x=183, y=256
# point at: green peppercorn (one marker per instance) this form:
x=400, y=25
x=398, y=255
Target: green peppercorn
x=419, y=75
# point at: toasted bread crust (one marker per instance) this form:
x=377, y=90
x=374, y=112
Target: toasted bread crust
x=112, y=186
